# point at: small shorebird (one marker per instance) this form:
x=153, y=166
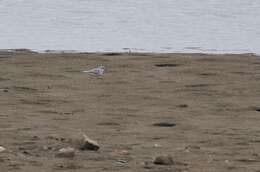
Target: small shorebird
x=96, y=71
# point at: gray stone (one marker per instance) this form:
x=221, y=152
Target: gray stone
x=2, y=149
x=164, y=124
x=85, y=143
x=163, y=160
x=47, y=148
x=66, y=153
x=121, y=161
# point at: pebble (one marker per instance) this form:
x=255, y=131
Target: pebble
x=157, y=145
x=68, y=152
x=121, y=162
x=67, y=166
x=2, y=149
x=35, y=138
x=183, y=106
x=164, y=124
x=163, y=160
x=85, y=143
x=25, y=152
x=121, y=152
x=257, y=109
x=190, y=148
x=46, y=148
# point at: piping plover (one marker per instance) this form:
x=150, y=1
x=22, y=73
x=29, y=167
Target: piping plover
x=96, y=71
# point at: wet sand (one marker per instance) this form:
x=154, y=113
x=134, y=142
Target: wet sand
x=211, y=101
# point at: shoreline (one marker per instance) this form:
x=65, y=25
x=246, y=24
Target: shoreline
x=24, y=50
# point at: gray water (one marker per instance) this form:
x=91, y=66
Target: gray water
x=211, y=26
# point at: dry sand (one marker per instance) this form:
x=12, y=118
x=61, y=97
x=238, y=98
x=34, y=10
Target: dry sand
x=45, y=100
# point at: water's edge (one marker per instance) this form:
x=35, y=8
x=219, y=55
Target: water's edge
x=111, y=53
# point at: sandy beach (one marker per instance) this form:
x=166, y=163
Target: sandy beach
x=202, y=110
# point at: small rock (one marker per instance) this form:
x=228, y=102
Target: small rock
x=164, y=124
x=2, y=149
x=255, y=154
x=35, y=138
x=187, y=150
x=191, y=148
x=85, y=143
x=163, y=160
x=257, y=109
x=46, y=148
x=157, y=145
x=121, y=152
x=246, y=160
x=226, y=161
x=25, y=152
x=183, y=106
x=66, y=153
x=167, y=65
x=67, y=166
x=121, y=161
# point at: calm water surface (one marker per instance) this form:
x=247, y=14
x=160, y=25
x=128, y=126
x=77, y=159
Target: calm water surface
x=211, y=26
